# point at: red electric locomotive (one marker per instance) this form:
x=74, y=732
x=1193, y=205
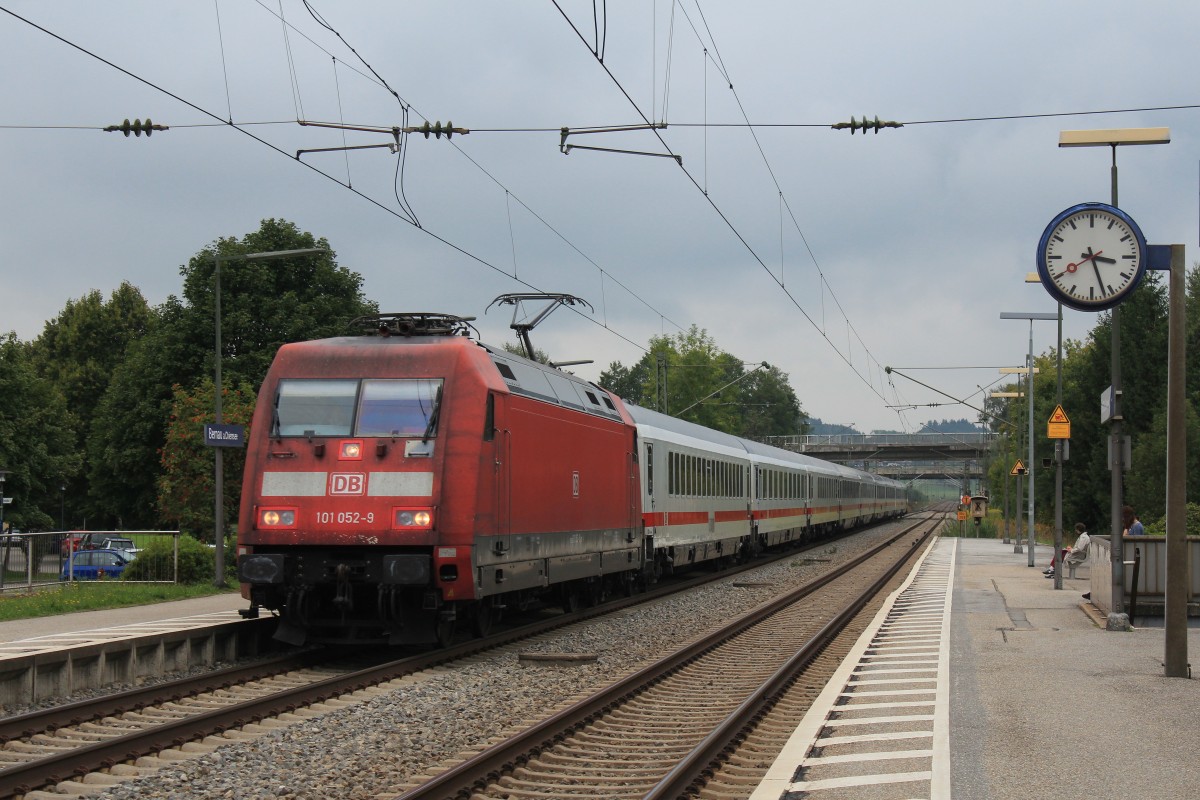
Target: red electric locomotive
x=398, y=482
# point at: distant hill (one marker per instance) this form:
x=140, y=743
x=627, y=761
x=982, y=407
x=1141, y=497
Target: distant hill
x=819, y=428
x=952, y=426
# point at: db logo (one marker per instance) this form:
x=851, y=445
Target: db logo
x=347, y=483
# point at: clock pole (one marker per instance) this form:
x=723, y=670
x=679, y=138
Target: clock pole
x=1117, y=618
x=1117, y=446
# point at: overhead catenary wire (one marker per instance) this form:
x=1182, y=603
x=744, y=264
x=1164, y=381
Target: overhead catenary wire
x=716, y=54
x=720, y=213
x=606, y=126
x=402, y=197
x=224, y=67
x=289, y=156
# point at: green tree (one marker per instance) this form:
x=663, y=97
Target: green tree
x=127, y=432
x=37, y=440
x=264, y=304
x=1147, y=476
x=688, y=376
x=78, y=351
x=769, y=406
x=518, y=349
x=628, y=383
x=185, y=483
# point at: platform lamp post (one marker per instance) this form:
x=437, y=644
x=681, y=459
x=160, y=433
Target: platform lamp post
x=1061, y=449
x=1007, y=475
x=1028, y=392
x=1031, y=316
x=1114, y=138
x=218, y=468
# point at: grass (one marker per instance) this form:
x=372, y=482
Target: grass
x=96, y=596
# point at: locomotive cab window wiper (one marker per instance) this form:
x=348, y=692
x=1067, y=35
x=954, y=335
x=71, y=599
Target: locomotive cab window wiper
x=433, y=418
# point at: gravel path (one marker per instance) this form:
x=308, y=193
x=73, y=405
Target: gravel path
x=376, y=747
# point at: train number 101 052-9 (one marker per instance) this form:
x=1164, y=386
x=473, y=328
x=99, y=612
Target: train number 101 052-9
x=344, y=518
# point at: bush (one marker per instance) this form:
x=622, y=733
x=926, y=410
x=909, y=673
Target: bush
x=196, y=560
x=1158, y=527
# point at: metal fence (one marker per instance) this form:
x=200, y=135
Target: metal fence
x=52, y=557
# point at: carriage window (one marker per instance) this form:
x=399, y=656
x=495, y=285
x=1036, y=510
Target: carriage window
x=315, y=408
x=398, y=408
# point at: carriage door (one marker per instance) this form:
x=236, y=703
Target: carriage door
x=643, y=499
x=806, y=482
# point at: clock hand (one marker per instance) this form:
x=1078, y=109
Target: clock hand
x=1104, y=259
x=1092, y=257
x=1088, y=256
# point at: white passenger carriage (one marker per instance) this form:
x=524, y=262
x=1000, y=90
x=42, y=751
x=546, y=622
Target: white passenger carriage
x=696, y=487
x=709, y=495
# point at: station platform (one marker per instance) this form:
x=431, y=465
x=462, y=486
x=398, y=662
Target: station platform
x=82, y=622
x=51, y=657
x=980, y=680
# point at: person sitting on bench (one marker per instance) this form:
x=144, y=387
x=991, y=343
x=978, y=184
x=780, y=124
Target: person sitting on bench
x=1077, y=554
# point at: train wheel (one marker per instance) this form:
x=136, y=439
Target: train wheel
x=571, y=601
x=484, y=617
x=443, y=631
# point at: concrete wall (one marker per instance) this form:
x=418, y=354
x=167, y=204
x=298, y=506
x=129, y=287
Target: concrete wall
x=1152, y=571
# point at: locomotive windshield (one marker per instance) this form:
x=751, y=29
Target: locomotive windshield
x=397, y=408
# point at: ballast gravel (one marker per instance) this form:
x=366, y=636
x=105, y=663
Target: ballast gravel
x=375, y=748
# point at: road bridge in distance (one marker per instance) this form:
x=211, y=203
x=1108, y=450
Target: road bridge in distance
x=904, y=456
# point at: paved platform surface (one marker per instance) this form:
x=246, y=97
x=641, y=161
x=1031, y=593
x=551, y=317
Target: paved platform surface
x=1045, y=703
x=94, y=620
x=980, y=680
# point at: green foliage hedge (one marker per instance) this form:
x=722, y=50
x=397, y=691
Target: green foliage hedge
x=196, y=560
x=1159, y=526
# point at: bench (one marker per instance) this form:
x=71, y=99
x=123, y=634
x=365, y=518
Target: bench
x=1071, y=565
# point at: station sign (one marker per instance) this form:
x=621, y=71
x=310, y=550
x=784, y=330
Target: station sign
x=224, y=435
x=1058, y=426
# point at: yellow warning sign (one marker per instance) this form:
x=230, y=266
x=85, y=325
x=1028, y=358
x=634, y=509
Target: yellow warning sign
x=1058, y=427
x=962, y=514
x=1018, y=468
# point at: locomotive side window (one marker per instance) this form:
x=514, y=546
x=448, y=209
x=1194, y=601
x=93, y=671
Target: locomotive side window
x=315, y=407
x=398, y=408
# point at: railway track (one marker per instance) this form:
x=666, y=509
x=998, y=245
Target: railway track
x=656, y=733
x=111, y=738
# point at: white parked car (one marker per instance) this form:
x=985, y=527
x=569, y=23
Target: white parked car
x=124, y=546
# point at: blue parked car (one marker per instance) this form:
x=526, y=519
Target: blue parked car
x=90, y=565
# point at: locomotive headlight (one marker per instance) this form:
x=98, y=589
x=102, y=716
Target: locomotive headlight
x=277, y=518
x=412, y=518
x=351, y=451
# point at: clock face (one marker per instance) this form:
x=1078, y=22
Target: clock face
x=1091, y=256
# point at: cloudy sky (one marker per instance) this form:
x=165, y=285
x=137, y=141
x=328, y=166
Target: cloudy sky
x=827, y=254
